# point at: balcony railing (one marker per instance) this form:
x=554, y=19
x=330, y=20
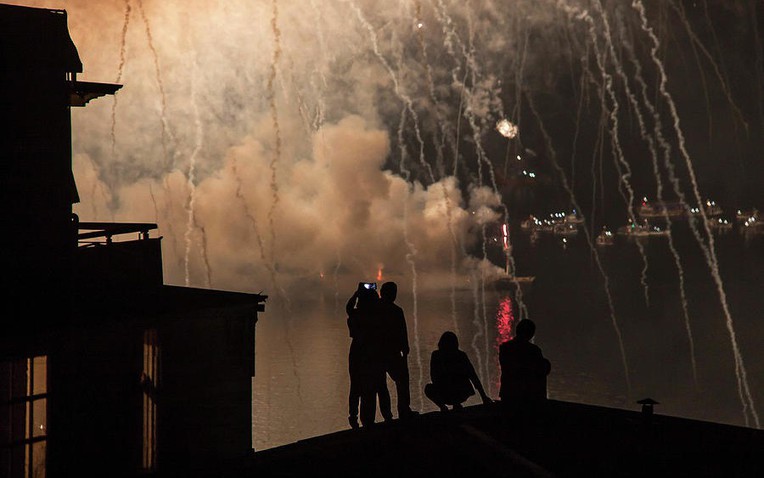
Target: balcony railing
x=99, y=233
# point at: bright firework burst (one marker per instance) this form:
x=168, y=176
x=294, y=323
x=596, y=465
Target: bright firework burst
x=507, y=129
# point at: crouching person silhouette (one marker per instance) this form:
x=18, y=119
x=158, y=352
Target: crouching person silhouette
x=523, y=371
x=453, y=375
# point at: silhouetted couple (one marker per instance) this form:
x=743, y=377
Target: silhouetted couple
x=523, y=373
x=379, y=346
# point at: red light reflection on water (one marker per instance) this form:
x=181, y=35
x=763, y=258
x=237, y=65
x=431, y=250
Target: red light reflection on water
x=505, y=321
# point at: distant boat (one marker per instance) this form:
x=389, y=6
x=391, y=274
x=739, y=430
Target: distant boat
x=743, y=216
x=574, y=218
x=710, y=208
x=753, y=226
x=640, y=230
x=605, y=238
x=510, y=282
x=565, y=230
x=719, y=225
x=661, y=209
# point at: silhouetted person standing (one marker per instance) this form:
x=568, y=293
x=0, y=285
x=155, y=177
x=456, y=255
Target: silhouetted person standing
x=367, y=377
x=452, y=375
x=523, y=370
x=395, y=349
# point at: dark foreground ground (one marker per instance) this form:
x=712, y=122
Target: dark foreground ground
x=566, y=440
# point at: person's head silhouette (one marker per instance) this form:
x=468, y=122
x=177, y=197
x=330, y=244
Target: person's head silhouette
x=525, y=330
x=448, y=342
x=389, y=291
x=367, y=298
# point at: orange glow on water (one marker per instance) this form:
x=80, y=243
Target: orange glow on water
x=379, y=274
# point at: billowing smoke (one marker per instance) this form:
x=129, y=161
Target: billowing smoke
x=340, y=200
x=336, y=202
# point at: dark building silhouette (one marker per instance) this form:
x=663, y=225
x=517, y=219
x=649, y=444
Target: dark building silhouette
x=103, y=368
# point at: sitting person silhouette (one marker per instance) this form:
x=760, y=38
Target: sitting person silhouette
x=523, y=370
x=452, y=375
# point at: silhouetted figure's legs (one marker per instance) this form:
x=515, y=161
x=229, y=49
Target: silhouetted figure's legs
x=353, y=401
x=373, y=384
x=399, y=372
x=354, y=396
x=432, y=392
x=368, y=407
x=384, y=402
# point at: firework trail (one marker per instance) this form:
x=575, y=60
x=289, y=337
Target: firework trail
x=120, y=71
x=454, y=244
x=440, y=163
x=154, y=203
x=403, y=96
x=575, y=138
x=659, y=186
x=451, y=38
x=168, y=215
x=302, y=106
x=191, y=179
x=478, y=291
x=238, y=191
x=408, y=109
x=759, y=62
x=205, y=256
x=695, y=41
x=741, y=374
x=486, y=372
x=335, y=277
x=442, y=126
x=284, y=303
x=595, y=254
x=321, y=105
x=622, y=74
x=166, y=132
x=410, y=255
x=618, y=155
x=277, y=130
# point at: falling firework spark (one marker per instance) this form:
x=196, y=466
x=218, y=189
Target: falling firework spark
x=659, y=185
x=205, y=256
x=120, y=71
x=408, y=109
x=440, y=164
x=451, y=39
x=475, y=281
x=595, y=254
x=166, y=132
x=277, y=130
x=714, y=65
x=410, y=255
x=740, y=372
x=191, y=180
x=154, y=203
x=479, y=294
x=613, y=110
